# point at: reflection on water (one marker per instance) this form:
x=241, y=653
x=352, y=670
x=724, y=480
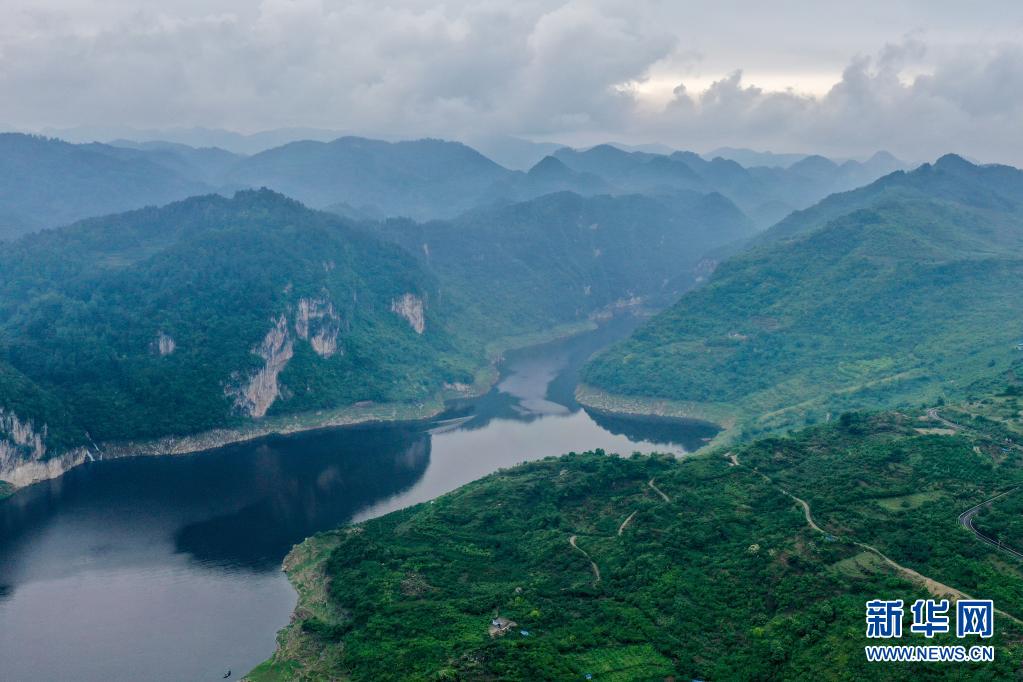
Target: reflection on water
x=167, y=568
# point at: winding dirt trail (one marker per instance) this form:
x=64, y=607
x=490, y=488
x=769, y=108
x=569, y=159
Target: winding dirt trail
x=593, y=564
x=658, y=490
x=625, y=523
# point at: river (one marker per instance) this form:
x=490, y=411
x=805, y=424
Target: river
x=168, y=568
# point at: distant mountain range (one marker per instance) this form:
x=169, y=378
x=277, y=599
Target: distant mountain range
x=48, y=182
x=765, y=194
x=901, y=291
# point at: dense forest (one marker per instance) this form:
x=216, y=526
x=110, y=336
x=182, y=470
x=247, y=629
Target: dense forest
x=647, y=567
x=538, y=263
x=908, y=296
x=163, y=321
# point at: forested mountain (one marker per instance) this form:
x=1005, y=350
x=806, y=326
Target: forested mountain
x=766, y=194
x=206, y=313
x=215, y=312
x=207, y=164
x=901, y=292
x=562, y=256
x=46, y=182
x=419, y=179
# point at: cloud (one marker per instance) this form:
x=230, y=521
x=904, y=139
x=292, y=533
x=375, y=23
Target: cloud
x=573, y=70
x=971, y=102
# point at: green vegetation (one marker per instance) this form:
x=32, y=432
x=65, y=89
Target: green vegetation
x=707, y=566
x=85, y=310
x=900, y=300
x=210, y=312
x=501, y=265
x=1002, y=521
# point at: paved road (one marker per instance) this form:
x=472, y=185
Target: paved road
x=966, y=521
x=933, y=415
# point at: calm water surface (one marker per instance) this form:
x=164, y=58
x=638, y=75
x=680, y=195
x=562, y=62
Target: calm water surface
x=168, y=568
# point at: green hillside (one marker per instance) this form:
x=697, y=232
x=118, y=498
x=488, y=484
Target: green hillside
x=562, y=257
x=46, y=182
x=655, y=568
x=907, y=296
x=208, y=312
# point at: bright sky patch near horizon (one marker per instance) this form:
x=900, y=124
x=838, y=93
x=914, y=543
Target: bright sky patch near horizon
x=917, y=78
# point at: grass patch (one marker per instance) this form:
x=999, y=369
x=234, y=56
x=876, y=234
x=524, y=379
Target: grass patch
x=907, y=502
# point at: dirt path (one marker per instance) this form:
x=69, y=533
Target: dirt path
x=658, y=490
x=621, y=528
x=806, y=510
x=936, y=588
x=593, y=564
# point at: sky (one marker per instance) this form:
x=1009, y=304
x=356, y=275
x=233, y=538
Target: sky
x=917, y=78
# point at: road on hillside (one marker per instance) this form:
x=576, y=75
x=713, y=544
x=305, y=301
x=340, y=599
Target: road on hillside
x=966, y=521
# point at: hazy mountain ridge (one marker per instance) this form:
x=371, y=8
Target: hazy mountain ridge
x=53, y=182
x=765, y=194
x=46, y=182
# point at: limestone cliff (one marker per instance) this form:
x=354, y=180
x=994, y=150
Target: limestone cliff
x=19, y=440
x=317, y=322
x=164, y=344
x=256, y=396
x=410, y=307
x=23, y=452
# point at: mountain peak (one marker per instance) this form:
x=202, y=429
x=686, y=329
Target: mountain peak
x=814, y=164
x=549, y=165
x=953, y=162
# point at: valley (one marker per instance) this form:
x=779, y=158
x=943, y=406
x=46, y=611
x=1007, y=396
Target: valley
x=187, y=549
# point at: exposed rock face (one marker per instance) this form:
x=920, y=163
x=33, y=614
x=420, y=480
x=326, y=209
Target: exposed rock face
x=19, y=440
x=410, y=307
x=23, y=452
x=316, y=316
x=704, y=269
x=165, y=345
x=255, y=397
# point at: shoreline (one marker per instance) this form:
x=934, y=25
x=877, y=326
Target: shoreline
x=38, y=471
x=602, y=402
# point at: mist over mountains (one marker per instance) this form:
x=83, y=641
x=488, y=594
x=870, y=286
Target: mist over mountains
x=47, y=182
